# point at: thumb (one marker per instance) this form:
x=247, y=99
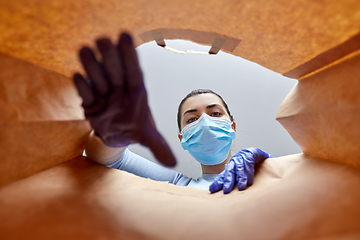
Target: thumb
x=160, y=149
x=218, y=183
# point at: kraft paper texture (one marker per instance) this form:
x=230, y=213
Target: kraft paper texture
x=41, y=119
x=49, y=191
x=277, y=34
x=322, y=112
x=293, y=197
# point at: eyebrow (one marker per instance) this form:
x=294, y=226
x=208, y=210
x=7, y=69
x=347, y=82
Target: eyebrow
x=207, y=107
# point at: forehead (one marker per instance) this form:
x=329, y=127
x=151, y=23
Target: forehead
x=200, y=101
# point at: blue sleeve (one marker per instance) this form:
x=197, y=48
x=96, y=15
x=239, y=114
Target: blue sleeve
x=135, y=164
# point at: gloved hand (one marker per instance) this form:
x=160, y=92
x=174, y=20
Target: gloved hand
x=115, y=99
x=239, y=170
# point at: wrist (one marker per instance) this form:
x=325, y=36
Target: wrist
x=98, y=152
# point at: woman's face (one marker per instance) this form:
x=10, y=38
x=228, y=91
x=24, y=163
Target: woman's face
x=196, y=105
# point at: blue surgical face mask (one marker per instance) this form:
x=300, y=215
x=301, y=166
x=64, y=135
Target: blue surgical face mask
x=208, y=139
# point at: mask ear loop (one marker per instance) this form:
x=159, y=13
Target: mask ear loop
x=233, y=125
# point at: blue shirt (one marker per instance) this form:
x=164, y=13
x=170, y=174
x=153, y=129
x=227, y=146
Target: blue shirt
x=135, y=164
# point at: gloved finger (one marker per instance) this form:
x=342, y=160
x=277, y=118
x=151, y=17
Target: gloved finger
x=160, y=149
x=218, y=183
x=249, y=164
x=94, y=71
x=241, y=175
x=259, y=155
x=263, y=154
x=84, y=90
x=111, y=61
x=229, y=177
x=129, y=60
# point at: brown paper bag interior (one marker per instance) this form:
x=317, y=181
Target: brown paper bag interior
x=48, y=190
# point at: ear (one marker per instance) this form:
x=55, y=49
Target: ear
x=233, y=126
x=180, y=137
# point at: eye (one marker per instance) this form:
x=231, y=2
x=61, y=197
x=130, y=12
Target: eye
x=190, y=120
x=216, y=114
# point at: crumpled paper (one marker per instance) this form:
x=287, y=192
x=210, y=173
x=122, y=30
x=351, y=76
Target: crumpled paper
x=322, y=112
x=41, y=119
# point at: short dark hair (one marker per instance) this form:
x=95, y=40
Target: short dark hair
x=197, y=92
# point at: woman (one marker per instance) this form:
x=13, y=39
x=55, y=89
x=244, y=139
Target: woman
x=115, y=103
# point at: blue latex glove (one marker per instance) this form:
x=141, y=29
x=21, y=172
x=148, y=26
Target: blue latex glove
x=115, y=98
x=239, y=170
